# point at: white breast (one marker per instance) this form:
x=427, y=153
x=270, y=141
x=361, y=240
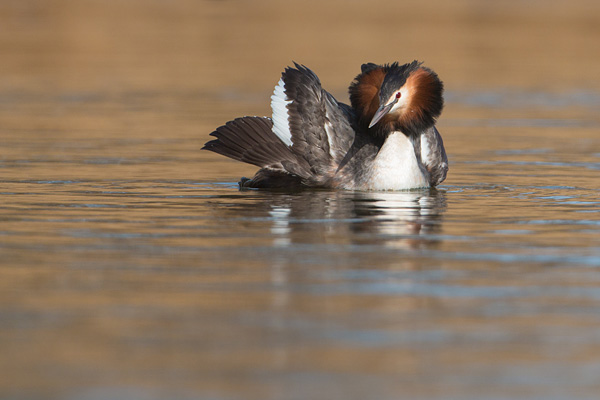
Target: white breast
x=396, y=166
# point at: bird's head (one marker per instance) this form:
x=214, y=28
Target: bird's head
x=393, y=97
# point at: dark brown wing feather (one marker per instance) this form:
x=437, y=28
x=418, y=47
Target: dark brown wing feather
x=322, y=129
x=322, y=132
x=251, y=140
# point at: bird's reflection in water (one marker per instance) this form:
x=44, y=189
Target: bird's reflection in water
x=336, y=233
x=408, y=219
x=400, y=219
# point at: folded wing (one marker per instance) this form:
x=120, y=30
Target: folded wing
x=433, y=156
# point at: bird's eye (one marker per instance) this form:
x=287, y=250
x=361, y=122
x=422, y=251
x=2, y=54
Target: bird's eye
x=398, y=95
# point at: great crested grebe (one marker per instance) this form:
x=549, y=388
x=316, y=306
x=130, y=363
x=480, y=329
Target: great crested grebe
x=386, y=140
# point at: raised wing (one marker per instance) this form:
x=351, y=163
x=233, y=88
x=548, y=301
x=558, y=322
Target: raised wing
x=311, y=121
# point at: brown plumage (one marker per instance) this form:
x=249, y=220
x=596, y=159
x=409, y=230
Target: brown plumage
x=385, y=141
x=364, y=92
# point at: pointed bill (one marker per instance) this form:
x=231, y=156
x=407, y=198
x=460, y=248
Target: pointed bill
x=380, y=113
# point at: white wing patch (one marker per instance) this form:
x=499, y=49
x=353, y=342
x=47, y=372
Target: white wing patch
x=281, y=123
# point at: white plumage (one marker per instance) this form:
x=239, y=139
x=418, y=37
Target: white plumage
x=279, y=103
x=396, y=166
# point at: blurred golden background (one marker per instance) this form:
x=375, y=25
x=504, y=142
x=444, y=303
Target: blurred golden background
x=244, y=45
x=188, y=66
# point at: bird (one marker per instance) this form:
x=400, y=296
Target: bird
x=385, y=140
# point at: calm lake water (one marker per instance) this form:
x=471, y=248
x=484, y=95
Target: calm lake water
x=132, y=267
